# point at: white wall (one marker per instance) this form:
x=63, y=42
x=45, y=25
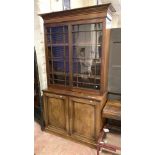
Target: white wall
x=56, y=5
x=82, y=3
x=40, y=6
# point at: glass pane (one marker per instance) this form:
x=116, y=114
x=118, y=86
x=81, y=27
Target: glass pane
x=86, y=80
x=57, y=35
x=67, y=80
x=99, y=26
x=57, y=29
x=58, y=66
x=84, y=38
x=98, y=69
x=49, y=51
x=59, y=82
x=67, y=67
x=84, y=52
x=67, y=52
x=65, y=29
x=98, y=53
x=87, y=40
x=86, y=85
x=50, y=81
x=66, y=38
x=48, y=38
x=99, y=37
x=57, y=38
x=97, y=81
x=50, y=66
x=76, y=67
x=84, y=27
x=59, y=77
x=58, y=53
x=48, y=30
x=50, y=78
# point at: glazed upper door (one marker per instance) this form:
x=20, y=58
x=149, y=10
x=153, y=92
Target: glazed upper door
x=79, y=46
x=86, y=49
x=58, y=55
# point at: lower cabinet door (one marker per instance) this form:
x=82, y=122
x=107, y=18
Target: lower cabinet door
x=56, y=113
x=83, y=120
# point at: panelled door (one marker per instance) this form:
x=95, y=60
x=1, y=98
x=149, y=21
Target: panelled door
x=56, y=112
x=82, y=119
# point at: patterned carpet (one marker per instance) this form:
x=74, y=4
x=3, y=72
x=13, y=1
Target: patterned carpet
x=49, y=144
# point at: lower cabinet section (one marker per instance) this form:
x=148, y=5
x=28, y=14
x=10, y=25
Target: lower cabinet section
x=73, y=117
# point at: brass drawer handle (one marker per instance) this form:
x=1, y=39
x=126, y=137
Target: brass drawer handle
x=60, y=96
x=90, y=101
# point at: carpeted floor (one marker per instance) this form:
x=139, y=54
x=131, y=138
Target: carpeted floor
x=49, y=144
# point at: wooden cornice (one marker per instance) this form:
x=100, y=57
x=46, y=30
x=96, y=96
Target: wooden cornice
x=79, y=11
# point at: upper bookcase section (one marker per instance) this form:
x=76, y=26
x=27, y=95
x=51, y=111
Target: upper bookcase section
x=92, y=12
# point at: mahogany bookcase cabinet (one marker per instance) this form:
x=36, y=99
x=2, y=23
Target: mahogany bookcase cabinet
x=76, y=47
